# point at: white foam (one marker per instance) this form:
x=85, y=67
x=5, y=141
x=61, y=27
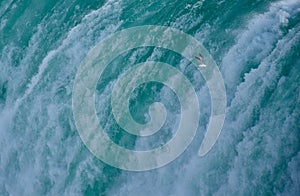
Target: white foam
x=261, y=35
x=217, y=171
x=42, y=153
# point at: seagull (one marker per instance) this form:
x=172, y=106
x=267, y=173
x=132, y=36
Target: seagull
x=200, y=60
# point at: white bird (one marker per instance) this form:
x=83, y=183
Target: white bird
x=200, y=60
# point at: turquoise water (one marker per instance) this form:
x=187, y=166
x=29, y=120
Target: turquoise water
x=256, y=45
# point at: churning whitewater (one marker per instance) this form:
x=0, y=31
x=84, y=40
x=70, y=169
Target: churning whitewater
x=255, y=44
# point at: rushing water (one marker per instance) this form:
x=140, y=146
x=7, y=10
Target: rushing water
x=256, y=45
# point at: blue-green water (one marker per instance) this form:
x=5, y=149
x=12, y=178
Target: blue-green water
x=256, y=45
